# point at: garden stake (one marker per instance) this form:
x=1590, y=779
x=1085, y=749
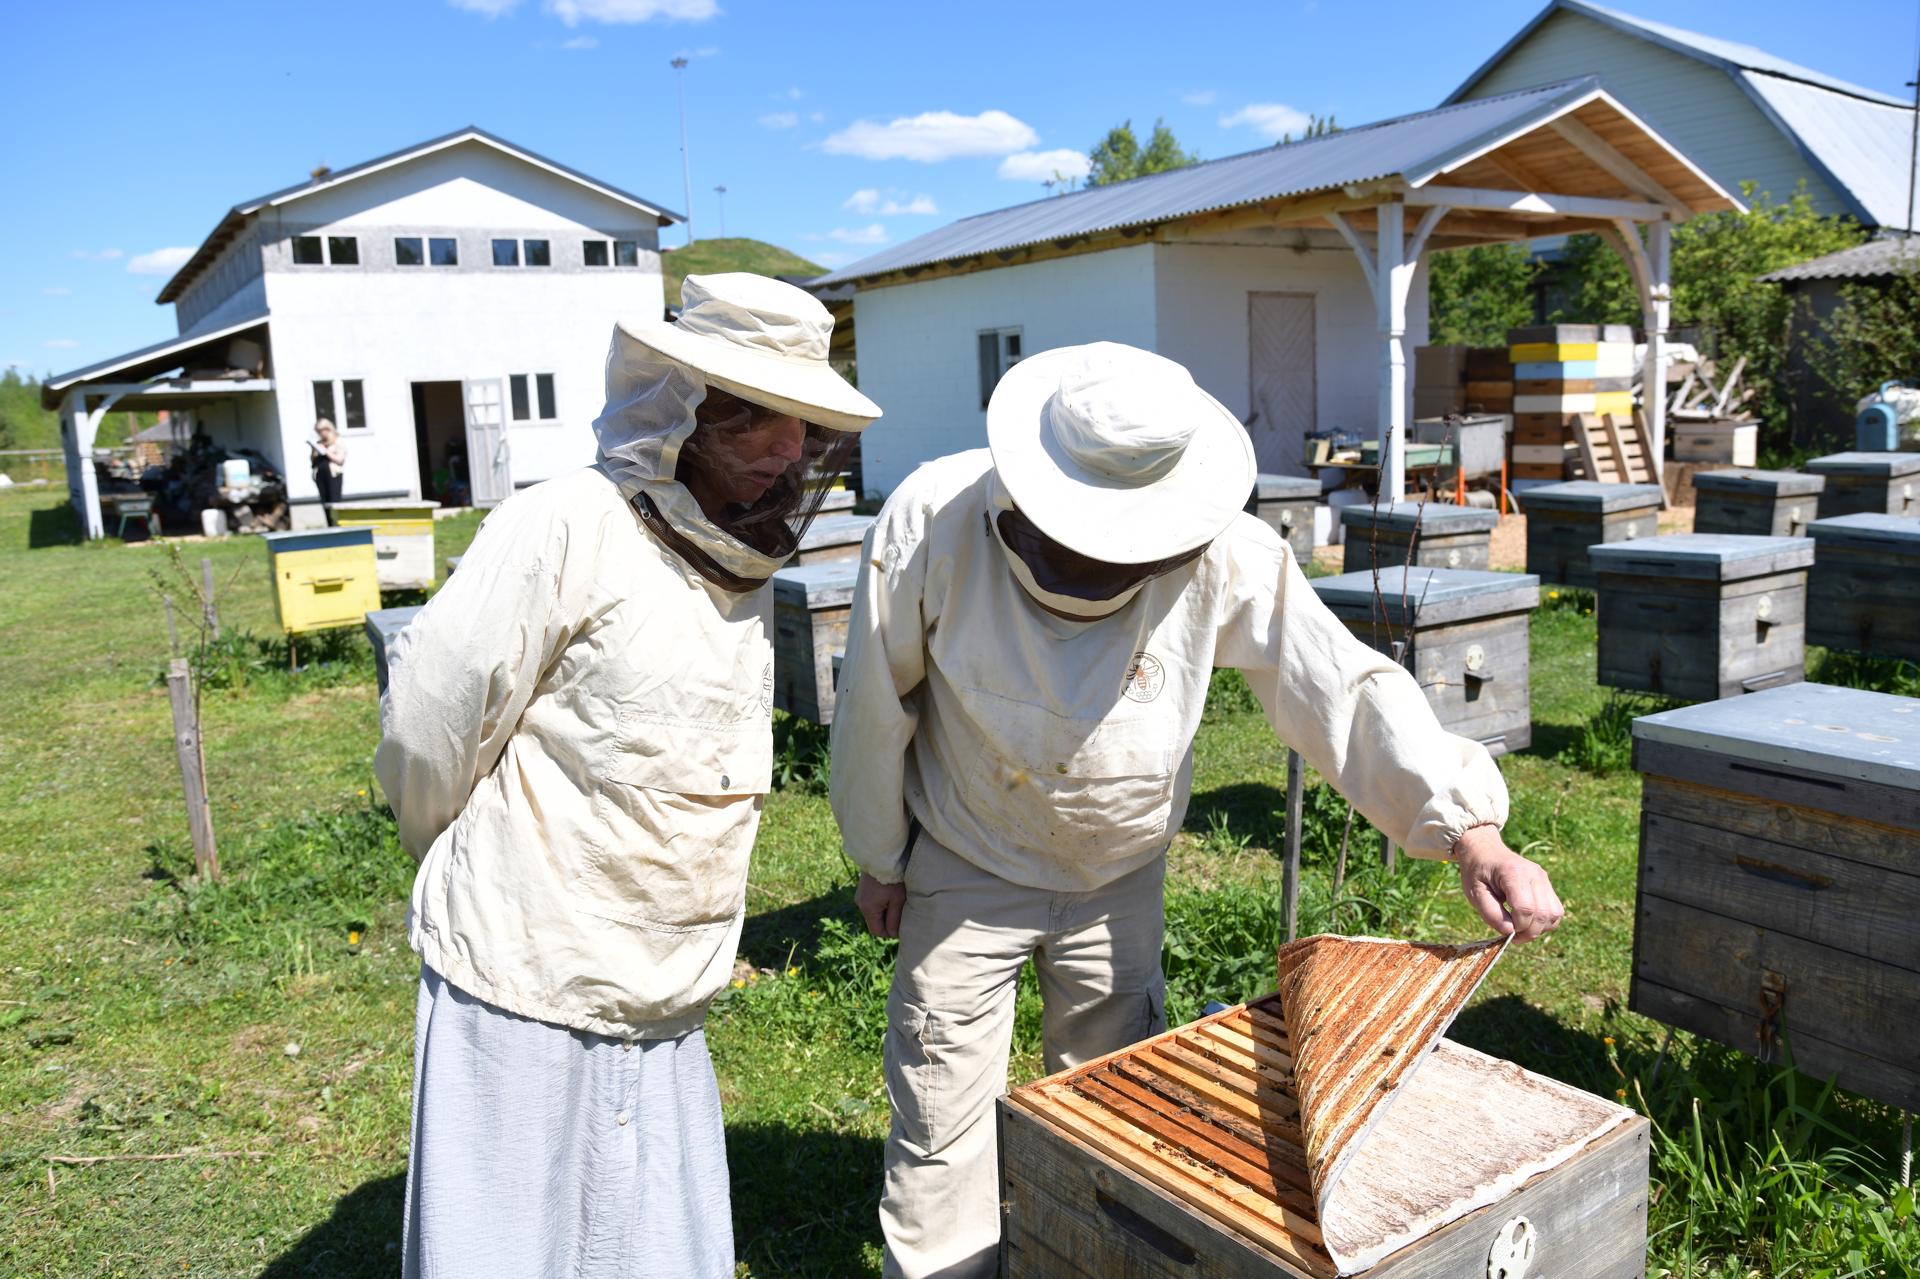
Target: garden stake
x=1906, y=1148
x=173, y=632
x=207, y=605
x=1290, y=870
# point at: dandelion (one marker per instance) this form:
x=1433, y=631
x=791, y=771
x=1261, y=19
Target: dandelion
x=361, y=793
x=738, y=982
x=1553, y=595
x=1607, y=1040
x=794, y=971
x=353, y=936
x=1621, y=1093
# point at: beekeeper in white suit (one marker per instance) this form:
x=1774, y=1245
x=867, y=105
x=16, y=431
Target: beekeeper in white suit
x=577, y=743
x=1027, y=662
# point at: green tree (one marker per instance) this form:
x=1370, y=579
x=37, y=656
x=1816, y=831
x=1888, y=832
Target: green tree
x=1475, y=295
x=1869, y=338
x=1317, y=127
x=1119, y=155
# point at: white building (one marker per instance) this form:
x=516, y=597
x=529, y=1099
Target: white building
x=455, y=296
x=1290, y=280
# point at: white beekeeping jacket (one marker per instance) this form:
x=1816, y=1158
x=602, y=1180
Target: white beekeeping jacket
x=577, y=740
x=1058, y=754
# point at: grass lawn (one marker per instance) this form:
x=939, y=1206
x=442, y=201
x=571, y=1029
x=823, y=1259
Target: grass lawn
x=268, y=1019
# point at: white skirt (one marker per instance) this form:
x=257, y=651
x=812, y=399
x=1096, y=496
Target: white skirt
x=543, y=1151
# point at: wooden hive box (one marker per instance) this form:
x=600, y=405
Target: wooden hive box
x=402, y=539
x=1449, y=536
x=322, y=578
x=1780, y=880
x=1285, y=504
x=1753, y=503
x=1724, y=441
x=1468, y=633
x=383, y=627
x=1702, y=615
x=832, y=537
x=1868, y=483
x=811, y=603
x=1864, y=591
x=1182, y=1156
x=1563, y=520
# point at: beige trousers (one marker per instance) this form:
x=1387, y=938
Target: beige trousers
x=963, y=936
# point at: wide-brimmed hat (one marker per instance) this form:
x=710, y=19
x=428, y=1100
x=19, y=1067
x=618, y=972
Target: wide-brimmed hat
x=1116, y=453
x=763, y=340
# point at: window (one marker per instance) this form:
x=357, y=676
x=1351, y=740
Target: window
x=506, y=253
x=339, y=250
x=306, y=250
x=594, y=252
x=626, y=252
x=348, y=395
x=999, y=351
x=443, y=250
x=538, y=253
x=343, y=250
x=523, y=253
x=406, y=251
x=528, y=391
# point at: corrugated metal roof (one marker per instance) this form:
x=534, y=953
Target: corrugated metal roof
x=148, y=360
x=1861, y=262
x=1864, y=146
x=1414, y=146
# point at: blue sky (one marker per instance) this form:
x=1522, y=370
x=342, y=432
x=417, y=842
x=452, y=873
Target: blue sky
x=835, y=128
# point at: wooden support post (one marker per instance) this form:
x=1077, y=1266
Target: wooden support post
x=1290, y=871
x=1393, y=276
x=193, y=767
x=207, y=604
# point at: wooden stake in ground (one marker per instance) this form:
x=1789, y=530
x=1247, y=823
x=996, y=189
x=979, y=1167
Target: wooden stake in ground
x=193, y=767
x=1290, y=869
x=207, y=605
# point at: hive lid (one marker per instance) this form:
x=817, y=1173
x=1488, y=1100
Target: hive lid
x=1747, y=479
x=1874, y=532
x=1275, y=488
x=1361, y=1014
x=835, y=530
x=1725, y=557
x=822, y=585
x=389, y=622
x=316, y=539
x=1845, y=733
x=1429, y=595
x=1562, y=334
x=1884, y=465
x=1432, y=517
x=1592, y=495
x=377, y=504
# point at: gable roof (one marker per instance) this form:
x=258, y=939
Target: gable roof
x=1413, y=149
x=1858, y=139
x=236, y=217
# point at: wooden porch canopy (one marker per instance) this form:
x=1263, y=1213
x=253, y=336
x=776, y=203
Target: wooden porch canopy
x=1555, y=160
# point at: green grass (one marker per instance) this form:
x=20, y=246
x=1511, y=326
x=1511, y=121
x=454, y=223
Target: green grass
x=143, y=1013
x=734, y=253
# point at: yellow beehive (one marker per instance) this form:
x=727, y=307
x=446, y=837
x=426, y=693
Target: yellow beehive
x=402, y=539
x=1553, y=352
x=322, y=578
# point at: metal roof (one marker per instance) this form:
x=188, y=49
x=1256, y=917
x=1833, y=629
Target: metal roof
x=237, y=216
x=147, y=360
x=1861, y=262
x=1414, y=147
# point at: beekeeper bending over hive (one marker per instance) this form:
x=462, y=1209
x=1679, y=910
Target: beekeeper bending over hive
x=578, y=738
x=1027, y=661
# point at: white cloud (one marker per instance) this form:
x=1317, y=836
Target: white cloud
x=886, y=203
x=795, y=94
x=818, y=117
x=160, y=261
x=1045, y=166
x=1199, y=98
x=60, y=344
x=581, y=42
x=933, y=136
x=1272, y=119
x=833, y=257
x=96, y=255
x=486, y=8
x=780, y=120
x=574, y=12
x=56, y=290
x=872, y=233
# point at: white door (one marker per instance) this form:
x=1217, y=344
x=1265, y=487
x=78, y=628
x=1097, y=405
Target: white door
x=1280, y=379
x=489, y=456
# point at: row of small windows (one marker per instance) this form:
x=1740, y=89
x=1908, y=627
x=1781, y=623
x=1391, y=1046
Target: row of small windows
x=344, y=402
x=414, y=250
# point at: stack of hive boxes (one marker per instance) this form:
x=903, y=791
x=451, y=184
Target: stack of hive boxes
x=1489, y=380
x=1439, y=380
x=1561, y=371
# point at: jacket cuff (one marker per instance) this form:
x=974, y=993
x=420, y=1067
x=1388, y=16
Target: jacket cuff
x=1443, y=821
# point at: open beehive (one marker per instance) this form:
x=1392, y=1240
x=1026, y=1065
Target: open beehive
x=1348, y=1138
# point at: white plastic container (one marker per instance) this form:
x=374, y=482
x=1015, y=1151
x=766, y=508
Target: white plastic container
x=213, y=520
x=235, y=473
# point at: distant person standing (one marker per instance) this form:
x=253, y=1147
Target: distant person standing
x=329, y=463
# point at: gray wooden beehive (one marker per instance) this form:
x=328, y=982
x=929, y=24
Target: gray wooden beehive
x=1702, y=615
x=1563, y=520
x=1868, y=483
x=832, y=537
x=1755, y=503
x=1864, y=592
x=1449, y=536
x=1467, y=631
x=1780, y=880
x=1285, y=503
x=383, y=627
x=811, y=603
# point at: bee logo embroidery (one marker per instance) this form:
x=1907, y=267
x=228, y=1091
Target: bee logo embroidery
x=1145, y=678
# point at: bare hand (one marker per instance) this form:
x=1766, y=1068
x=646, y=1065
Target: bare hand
x=880, y=905
x=1511, y=893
